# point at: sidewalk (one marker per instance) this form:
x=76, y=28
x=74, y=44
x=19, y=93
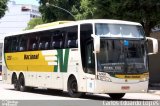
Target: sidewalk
x=154, y=90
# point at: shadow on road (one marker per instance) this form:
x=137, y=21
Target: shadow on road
x=154, y=88
x=63, y=94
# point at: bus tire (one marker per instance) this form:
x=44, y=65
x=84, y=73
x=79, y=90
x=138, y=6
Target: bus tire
x=16, y=83
x=73, y=88
x=23, y=88
x=116, y=96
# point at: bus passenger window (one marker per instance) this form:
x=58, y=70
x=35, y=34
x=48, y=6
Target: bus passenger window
x=57, y=42
x=72, y=37
x=33, y=43
x=44, y=42
x=46, y=46
x=34, y=46
x=7, y=44
x=14, y=44
x=41, y=45
x=72, y=40
x=23, y=44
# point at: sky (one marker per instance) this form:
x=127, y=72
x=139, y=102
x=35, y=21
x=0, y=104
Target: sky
x=34, y=2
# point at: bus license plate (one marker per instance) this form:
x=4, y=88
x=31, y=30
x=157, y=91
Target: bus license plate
x=125, y=87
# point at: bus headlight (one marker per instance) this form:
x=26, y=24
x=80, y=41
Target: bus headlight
x=104, y=78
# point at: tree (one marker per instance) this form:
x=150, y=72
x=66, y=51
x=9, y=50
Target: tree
x=51, y=13
x=3, y=7
x=145, y=12
x=94, y=9
x=33, y=22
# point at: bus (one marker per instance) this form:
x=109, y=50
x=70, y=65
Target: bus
x=97, y=56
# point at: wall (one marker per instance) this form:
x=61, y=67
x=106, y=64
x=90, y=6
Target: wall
x=154, y=63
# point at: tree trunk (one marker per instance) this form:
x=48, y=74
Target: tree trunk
x=147, y=29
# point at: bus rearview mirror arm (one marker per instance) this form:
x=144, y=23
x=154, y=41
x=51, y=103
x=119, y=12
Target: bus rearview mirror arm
x=155, y=45
x=96, y=41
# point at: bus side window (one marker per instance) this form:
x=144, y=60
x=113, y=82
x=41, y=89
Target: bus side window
x=44, y=42
x=57, y=42
x=72, y=41
x=14, y=44
x=33, y=42
x=57, y=39
x=46, y=45
x=72, y=37
x=23, y=44
x=7, y=44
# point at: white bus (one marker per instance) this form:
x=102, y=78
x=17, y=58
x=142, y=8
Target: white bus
x=90, y=56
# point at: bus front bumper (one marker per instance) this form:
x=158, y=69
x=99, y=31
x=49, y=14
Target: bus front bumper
x=111, y=87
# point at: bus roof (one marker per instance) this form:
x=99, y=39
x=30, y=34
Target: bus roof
x=60, y=24
x=51, y=24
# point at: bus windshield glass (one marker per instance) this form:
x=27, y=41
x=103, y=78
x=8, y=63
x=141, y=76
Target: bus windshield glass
x=119, y=30
x=119, y=56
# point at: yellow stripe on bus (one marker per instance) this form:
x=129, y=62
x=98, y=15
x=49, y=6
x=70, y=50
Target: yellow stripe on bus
x=30, y=61
x=139, y=76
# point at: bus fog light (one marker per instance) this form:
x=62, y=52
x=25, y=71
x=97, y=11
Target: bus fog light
x=143, y=79
x=143, y=90
x=108, y=79
x=104, y=78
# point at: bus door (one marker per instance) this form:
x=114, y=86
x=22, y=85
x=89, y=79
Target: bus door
x=90, y=66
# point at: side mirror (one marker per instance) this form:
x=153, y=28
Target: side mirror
x=96, y=41
x=155, y=45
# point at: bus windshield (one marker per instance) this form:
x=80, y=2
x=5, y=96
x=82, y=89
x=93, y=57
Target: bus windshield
x=119, y=30
x=119, y=56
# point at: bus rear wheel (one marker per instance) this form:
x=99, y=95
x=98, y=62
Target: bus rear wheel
x=16, y=83
x=22, y=83
x=116, y=96
x=73, y=88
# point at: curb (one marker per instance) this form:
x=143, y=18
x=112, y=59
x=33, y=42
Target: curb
x=155, y=92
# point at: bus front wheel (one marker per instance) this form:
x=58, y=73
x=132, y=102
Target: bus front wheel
x=73, y=88
x=116, y=96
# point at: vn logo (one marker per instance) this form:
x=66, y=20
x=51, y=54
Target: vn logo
x=62, y=56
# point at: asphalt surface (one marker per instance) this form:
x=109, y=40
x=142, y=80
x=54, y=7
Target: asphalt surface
x=8, y=93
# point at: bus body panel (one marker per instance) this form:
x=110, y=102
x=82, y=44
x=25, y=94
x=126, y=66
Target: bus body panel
x=38, y=73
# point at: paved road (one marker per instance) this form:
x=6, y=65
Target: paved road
x=8, y=93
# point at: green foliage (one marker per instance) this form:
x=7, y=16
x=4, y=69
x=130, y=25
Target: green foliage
x=97, y=9
x=3, y=7
x=33, y=22
x=50, y=13
x=146, y=12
